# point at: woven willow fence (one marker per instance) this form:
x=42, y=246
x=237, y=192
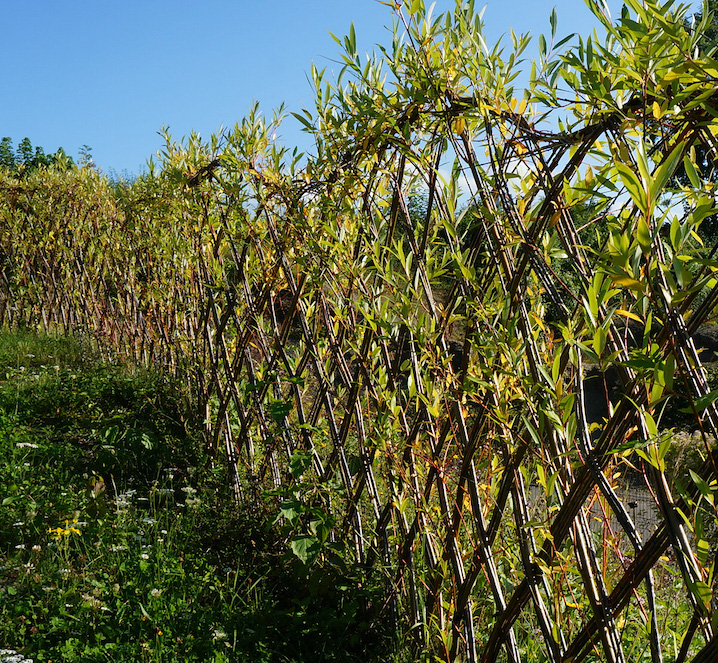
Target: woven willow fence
x=406, y=368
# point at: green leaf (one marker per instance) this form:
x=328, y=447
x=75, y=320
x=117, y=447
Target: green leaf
x=291, y=510
x=702, y=592
x=691, y=172
x=320, y=529
x=643, y=235
x=145, y=614
x=651, y=425
x=351, y=41
x=702, y=486
x=146, y=441
x=299, y=463
x=664, y=172
x=628, y=282
x=599, y=340
x=306, y=548
x=634, y=186
x=551, y=484
x=307, y=124
x=541, y=475
x=643, y=166
x=669, y=369
x=704, y=401
x=703, y=549
x=280, y=409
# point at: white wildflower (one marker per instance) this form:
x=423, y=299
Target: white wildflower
x=11, y=656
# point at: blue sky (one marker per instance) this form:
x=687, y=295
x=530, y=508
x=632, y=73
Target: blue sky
x=111, y=74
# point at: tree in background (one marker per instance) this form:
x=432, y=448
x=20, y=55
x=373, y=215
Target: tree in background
x=24, y=151
x=28, y=158
x=7, y=157
x=709, y=39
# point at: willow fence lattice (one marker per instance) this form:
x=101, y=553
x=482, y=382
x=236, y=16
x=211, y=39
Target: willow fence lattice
x=409, y=370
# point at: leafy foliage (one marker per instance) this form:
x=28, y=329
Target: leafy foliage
x=388, y=374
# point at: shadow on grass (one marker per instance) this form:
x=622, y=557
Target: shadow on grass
x=119, y=541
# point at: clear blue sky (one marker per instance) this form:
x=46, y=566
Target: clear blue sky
x=111, y=74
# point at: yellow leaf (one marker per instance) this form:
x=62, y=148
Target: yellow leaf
x=459, y=125
x=628, y=314
x=589, y=175
x=627, y=282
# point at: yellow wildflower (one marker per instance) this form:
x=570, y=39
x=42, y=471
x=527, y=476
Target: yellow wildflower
x=68, y=529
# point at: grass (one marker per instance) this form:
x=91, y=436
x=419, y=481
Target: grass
x=119, y=540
